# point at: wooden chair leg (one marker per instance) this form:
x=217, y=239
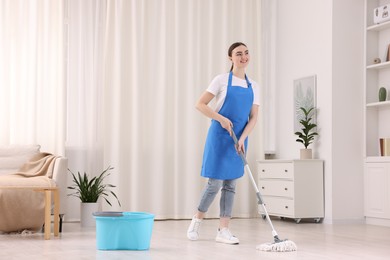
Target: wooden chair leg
x=56, y=211
x=47, y=214
x=56, y=195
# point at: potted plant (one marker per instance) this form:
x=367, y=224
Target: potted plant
x=89, y=191
x=306, y=136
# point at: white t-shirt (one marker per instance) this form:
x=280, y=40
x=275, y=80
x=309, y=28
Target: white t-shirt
x=218, y=87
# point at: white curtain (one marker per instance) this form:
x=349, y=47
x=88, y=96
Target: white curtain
x=136, y=69
x=32, y=89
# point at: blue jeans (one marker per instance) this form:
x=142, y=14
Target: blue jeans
x=227, y=196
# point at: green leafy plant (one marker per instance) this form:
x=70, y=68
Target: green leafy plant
x=306, y=136
x=89, y=190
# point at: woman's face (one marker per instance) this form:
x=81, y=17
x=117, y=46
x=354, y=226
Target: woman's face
x=240, y=57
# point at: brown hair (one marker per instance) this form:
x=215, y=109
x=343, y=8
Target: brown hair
x=232, y=47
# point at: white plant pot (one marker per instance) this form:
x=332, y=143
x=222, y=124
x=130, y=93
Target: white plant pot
x=306, y=154
x=86, y=217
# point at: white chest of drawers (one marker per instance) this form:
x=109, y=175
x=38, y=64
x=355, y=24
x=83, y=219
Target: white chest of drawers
x=292, y=188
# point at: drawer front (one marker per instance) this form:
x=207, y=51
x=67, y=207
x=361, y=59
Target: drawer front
x=278, y=206
x=276, y=170
x=277, y=188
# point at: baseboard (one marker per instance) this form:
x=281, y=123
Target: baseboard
x=344, y=221
x=378, y=221
x=71, y=220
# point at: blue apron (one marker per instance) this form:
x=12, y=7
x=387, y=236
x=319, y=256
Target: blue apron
x=220, y=158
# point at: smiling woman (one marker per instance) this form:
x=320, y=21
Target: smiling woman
x=222, y=165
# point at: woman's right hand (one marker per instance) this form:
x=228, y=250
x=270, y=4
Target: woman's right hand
x=202, y=106
x=226, y=124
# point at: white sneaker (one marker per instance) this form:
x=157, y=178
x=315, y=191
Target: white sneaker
x=193, y=229
x=224, y=236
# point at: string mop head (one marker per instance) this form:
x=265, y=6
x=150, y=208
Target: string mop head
x=278, y=246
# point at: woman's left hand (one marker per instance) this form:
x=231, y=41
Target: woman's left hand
x=240, y=147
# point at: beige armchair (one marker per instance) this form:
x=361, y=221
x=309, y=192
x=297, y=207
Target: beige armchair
x=25, y=166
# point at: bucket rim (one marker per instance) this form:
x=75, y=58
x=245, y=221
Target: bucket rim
x=123, y=214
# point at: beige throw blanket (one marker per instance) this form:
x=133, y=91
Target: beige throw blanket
x=22, y=208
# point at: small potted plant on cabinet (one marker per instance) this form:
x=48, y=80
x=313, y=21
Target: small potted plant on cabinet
x=89, y=191
x=306, y=136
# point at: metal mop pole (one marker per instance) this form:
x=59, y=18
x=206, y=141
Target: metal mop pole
x=260, y=201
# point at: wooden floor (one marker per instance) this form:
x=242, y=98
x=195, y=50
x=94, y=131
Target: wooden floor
x=314, y=241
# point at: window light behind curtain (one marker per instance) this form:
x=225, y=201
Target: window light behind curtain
x=32, y=89
x=134, y=72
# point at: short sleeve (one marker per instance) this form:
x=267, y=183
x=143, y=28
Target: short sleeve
x=215, y=85
x=256, y=94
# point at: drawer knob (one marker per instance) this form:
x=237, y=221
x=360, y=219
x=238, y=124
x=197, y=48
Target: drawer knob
x=285, y=170
x=263, y=187
x=285, y=189
x=286, y=207
x=263, y=170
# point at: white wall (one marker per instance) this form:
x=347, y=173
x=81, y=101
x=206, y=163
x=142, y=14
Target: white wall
x=347, y=109
x=313, y=37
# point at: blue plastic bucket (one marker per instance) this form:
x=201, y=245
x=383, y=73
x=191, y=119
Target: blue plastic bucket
x=123, y=230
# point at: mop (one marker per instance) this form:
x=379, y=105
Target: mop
x=279, y=245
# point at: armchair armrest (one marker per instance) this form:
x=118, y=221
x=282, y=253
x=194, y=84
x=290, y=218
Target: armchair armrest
x=60, y=177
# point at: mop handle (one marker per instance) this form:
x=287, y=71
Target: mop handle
x=242, y=155
x=259, y=197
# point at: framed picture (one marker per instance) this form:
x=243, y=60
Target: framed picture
x=304, y=96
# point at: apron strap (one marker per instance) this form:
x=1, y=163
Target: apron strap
x=247, y=82
x=230, y=79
